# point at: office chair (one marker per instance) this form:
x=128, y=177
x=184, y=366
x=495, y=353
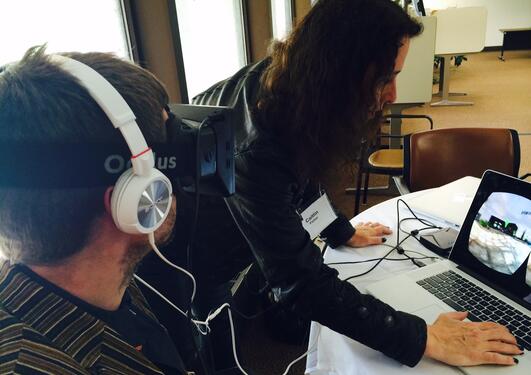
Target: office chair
x=436, y=157
x=381, y=159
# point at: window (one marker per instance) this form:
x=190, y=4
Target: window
x=281, y=18
x=65, y=25
x=212, y=40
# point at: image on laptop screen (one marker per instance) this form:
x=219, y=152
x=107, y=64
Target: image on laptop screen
x=500, y=236
x=494, y=243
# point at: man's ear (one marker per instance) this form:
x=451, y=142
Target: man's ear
x=107, y=199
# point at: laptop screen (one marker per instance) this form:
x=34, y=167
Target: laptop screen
x=495, y=239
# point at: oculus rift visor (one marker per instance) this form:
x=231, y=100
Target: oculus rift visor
x=199, y=153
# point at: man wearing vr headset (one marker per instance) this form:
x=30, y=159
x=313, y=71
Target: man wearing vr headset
x=68, y=303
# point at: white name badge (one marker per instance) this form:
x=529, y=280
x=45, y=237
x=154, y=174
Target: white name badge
x=318, y=216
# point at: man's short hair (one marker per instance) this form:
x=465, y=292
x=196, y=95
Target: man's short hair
x=40, y=102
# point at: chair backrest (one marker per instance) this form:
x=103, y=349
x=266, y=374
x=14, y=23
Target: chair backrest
x=460, y=30
x=436, y=157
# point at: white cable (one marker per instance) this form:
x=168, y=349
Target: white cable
x=310, y=347
x=151, y=237
x=197, y=323
x=212, y=315
x=234, y=341
x=161, y=295
x=233, y=336
x=206, y=323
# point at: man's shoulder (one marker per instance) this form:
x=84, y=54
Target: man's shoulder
x=25, y=350
x=14, y=332
x=139, y=300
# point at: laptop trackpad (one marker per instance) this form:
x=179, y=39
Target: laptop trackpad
x=429, y=313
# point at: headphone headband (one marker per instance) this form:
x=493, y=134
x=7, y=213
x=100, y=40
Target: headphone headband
x=116, y=109
x=141, y=199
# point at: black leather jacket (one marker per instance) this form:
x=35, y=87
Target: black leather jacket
x=268, y=195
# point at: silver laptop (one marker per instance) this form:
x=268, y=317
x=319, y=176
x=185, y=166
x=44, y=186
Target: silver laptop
x=447, y=204
x=488, y=272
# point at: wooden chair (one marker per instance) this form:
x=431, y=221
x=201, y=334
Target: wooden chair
x=436, y=157
x=381, y=159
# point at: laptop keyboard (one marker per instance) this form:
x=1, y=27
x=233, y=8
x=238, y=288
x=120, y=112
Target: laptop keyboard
x=462, y=295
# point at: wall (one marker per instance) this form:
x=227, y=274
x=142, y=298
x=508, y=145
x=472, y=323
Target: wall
x=301, y=8
x=155, y=40
x=260, y=30
x=501, y=14
x=259, y=23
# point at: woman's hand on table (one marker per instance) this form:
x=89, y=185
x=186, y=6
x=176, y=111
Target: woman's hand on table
x=458, y=343
x=369, y=234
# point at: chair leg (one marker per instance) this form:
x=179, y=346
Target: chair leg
x=366, y=187
x=358, y=191
x=446, y=87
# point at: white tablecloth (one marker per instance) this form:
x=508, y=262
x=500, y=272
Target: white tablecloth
x=334, y=354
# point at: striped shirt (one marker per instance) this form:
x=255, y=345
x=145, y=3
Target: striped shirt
x=43, y=333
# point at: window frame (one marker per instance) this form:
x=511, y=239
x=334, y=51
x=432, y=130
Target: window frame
x=289, y=5
x=178, y=50
x=129, y=23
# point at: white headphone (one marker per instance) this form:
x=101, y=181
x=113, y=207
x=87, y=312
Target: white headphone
x=141, y=199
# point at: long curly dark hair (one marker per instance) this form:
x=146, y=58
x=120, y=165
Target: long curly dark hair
x=322, y=81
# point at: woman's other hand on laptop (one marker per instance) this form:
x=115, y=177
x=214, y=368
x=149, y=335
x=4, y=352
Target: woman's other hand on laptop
x=369, y=234
x=453, y=341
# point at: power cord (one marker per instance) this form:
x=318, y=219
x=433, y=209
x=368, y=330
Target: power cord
x=197, y=196
x=198, y=323
x=423, y=256
x=380, y=260
x=193, y=228
x=412, y=259
x=206, y=323
x=151, y=237
x=398, y=247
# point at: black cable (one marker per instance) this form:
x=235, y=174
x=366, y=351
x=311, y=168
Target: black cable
x=423, y=221
x=393, y=248
x=195, y=219
x=387, y=259
x=413, y=260
x=373, y=267
x=414, y=233
x=423, y=255
x=397, y=247
x=428, y=226
x=193, y=228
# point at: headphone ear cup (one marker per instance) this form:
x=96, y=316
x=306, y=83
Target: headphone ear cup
x=118, y=194
x=140, y=204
